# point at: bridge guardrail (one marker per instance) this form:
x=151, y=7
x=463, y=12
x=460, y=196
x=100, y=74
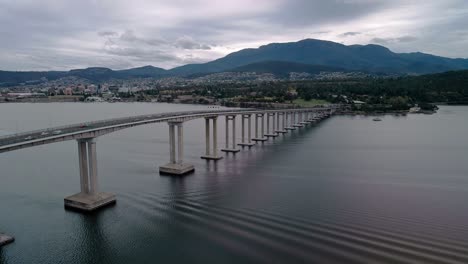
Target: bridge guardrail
x=15, y=138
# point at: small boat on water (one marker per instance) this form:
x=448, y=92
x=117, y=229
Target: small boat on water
x=377, y=119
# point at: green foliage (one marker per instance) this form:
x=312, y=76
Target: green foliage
x=310, y=103
x=449, y=87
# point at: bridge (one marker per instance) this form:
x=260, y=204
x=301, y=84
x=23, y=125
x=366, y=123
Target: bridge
x=267, y=124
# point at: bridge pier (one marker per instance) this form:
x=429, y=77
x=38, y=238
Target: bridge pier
x=176, y=166
x=234, y=148
x=249, y=142
x=298, y=123
x=272, y=133
x=280, y=129
x=315, y=118
x=211, y=154
x=289, y=121
x=89, y=198
x=306, y=118
x=310, y=116
x=302, y=120
x=257, y=138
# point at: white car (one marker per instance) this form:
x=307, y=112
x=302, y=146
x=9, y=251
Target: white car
x=44, y=133
x=56, y=132
x=28, y=138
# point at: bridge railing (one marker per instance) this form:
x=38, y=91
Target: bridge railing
x=13, y=138
x=18, y=137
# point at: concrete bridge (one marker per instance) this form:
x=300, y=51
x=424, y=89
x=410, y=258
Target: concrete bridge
x=267, y=124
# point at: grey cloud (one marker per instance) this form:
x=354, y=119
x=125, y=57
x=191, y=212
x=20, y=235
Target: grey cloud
x=54, y=34
x=386, y=41
x=321, y=32
x=142, y=54
x=380, y=41
x=129, y=36
x=317, y=12
x=406, y=39
x=349, y=34
x=189, y=44
x=107, y=33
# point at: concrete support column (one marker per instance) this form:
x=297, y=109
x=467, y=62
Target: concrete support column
x=248, y=143
x=284, y=121
x=211, y=153
x=180, y=143
x=268, y=123
x=280, y=125
x=274, y=122
x=256, y=125
x=172, y=144
x=243, y=128
x=231, y=118
x=277, y=121
x=207, y=136
x=176, y=166
x=93, y=186
x=271, y=134
x=304, y=118
x=233, y=132
x=172, y=151
x=215, y=137
x=310, y=117
x=83, y=163
x=259, y=135
x=297, y=123
x=89, y=198
x=263, y=124
x=227, y=132
x=249, y=127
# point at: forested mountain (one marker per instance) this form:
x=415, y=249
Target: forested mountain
x=309, y=55
x=369, y=58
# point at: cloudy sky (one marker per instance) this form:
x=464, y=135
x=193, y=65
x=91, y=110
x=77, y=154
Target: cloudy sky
x=67, y=34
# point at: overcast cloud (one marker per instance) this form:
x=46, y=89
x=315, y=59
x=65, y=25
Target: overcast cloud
x=67, y=34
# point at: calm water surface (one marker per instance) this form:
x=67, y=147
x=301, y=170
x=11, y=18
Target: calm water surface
x=348, y=190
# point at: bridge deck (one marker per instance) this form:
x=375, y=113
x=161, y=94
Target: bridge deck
x=98, y=128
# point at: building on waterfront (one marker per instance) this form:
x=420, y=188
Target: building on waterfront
x=68, y=91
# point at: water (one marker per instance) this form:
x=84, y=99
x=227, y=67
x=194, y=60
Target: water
x=348, y=190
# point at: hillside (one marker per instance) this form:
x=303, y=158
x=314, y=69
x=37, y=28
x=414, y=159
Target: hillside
x=97, y=74
x=283, y=68
x=373, y=58
x=309, y=55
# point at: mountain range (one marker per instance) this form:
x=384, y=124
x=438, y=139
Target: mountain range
x=309, y=55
